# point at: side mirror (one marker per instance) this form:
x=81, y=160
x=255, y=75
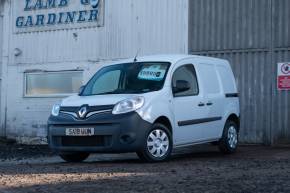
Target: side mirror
x=181, y=86
x=81, y=89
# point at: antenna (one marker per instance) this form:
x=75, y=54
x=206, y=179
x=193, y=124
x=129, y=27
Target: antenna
x=135, y=58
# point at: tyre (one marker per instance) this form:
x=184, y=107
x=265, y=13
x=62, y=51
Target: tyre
x=157, y=145
x=229, y=142
x=74, y=157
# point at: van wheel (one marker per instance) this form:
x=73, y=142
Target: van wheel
x=229, y=142
x=74, y=157
x=157, y=145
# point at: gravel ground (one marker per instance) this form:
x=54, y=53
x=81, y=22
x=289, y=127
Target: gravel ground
x=197, y=169
x=22, y=152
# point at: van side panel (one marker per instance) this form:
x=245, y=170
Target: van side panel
x=227, y=78
x=213, y=99
x=209, y=78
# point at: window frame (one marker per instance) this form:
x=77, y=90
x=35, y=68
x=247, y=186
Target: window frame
x=188, y=95
x=60, y=95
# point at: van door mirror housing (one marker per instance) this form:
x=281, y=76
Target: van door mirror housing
x=181, y=86
x=81, y=89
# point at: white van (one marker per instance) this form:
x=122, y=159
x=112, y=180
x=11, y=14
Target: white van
x=149, y=105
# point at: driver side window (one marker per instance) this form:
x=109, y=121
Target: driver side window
x=186, y=73
x=109, y=82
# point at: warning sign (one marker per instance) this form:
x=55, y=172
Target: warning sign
x=283, y=80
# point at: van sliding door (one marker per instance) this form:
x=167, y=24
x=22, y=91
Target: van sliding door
x=214, y=100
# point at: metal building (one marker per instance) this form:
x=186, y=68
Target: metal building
x=50, y=42
x=46, y=60
x=254, y=35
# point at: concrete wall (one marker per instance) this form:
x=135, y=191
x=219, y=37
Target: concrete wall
x=154, y=27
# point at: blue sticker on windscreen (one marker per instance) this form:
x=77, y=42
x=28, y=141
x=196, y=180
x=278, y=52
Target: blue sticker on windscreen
x=152, y=73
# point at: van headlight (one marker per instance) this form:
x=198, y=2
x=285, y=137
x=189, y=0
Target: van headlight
x=55, y=110
x=128, y=105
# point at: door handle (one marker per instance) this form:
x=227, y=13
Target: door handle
x=201, y=104
x=209, y=103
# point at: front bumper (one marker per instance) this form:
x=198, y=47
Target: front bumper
x=112, y=133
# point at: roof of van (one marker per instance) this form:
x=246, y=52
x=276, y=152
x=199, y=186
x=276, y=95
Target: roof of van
x=172, y=58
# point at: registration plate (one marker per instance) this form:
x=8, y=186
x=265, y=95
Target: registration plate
x=79, y=131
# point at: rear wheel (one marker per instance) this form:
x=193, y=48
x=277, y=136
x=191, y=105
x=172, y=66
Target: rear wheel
x=157, y=145
x=229, y=141
x=74, y=157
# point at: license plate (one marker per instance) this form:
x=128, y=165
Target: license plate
x=79, y=131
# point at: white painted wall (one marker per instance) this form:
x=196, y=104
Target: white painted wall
x=2, y=117
x=154, y=27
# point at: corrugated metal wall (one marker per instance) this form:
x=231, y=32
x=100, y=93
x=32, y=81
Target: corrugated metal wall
x=254, y=36
x=281, y=48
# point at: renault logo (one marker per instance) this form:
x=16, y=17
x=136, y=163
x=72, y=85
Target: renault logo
x=83, y=112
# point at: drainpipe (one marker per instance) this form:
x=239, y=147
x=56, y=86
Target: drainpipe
x=5, y=61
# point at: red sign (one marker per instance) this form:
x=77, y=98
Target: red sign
x=283, y=80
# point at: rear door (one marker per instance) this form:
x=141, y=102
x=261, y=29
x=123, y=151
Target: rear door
x=188, y=107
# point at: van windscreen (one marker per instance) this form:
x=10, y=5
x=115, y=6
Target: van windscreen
x=128, y=78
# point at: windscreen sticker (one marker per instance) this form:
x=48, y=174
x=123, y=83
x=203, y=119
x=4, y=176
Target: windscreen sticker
x=152, y=73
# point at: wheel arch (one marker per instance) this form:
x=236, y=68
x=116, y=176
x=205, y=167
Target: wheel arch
x=235, y=118
x=165, y=121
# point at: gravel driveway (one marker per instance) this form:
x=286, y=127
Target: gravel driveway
x=198, y=169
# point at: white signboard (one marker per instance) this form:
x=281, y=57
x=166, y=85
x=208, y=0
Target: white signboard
x=283, y=76
x=45, y=15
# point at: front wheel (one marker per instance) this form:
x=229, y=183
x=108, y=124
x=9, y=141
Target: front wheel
x=229, y=141
x=157, y=145
x=74, y=157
